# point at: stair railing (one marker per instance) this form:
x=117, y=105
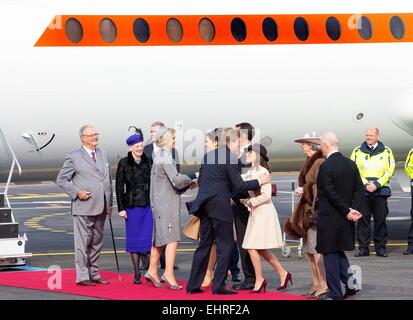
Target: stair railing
x=14, y=163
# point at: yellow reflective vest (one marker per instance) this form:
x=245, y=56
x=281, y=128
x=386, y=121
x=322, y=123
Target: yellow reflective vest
x=375, y=166
x=408, y=167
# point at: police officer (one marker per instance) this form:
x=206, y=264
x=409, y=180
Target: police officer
x=376, y=165
x=408, y=167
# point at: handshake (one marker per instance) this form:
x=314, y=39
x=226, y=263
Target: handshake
x=354, y=215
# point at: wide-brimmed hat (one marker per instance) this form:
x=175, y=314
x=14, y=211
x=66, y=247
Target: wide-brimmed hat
x=310, y=137
x=259, y=148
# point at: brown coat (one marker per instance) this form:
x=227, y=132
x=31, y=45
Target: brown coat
x=299, y=222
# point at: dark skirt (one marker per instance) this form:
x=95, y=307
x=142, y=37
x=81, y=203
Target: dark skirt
x=139, y=227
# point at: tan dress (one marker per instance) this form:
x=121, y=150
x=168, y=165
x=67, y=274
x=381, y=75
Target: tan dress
x=263, y=228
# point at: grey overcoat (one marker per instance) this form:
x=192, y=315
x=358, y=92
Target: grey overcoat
x=166, y=186
x=79, y=172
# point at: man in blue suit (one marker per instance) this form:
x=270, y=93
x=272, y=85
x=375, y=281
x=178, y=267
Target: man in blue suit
x=219, y=176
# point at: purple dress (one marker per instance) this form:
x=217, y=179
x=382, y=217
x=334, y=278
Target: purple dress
x=139, y=229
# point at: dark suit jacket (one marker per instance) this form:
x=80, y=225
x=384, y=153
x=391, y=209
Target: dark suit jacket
x=219, y=176
x=148, y=150
x=339, y=189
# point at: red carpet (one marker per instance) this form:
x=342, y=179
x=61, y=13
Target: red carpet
x=125, y=290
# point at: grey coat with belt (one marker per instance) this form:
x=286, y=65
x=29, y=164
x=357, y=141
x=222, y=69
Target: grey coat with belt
x=166, y=186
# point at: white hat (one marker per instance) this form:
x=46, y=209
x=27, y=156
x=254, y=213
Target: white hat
x=310, y=137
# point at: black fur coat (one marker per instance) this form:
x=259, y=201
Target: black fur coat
x=133, y=182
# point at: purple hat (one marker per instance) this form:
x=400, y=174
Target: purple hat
x=134, y=139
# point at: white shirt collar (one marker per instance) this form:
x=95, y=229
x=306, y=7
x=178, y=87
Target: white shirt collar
x=155, y=148
x=374, y=146
x=89, y=151
x=332, y=152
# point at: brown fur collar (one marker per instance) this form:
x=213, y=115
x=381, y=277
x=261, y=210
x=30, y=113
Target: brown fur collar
x=308, y=163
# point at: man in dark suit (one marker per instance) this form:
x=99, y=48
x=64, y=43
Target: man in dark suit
x=339, y=189
x=219, y=176
x=241, y=214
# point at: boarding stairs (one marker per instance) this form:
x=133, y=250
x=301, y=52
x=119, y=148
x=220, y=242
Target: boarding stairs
x=12, y=244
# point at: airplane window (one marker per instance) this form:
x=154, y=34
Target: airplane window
x=333, y=28
x=206, y=30
x=365, y=28
x=270, y=29
x=108, y=30
x=174, y=30
x=397, y=27
x=238, y=29
x=73, y=30
x=141, y=30
x=301, y=29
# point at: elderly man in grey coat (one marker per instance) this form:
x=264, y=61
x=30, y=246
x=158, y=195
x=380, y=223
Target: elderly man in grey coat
x=86, y=178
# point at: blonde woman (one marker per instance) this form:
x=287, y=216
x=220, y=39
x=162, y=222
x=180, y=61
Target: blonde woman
x=166, y=186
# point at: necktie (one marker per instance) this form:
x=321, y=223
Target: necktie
x=93, y=156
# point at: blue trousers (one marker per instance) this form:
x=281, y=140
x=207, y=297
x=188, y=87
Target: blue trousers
x=233, y=267
x=336, y=266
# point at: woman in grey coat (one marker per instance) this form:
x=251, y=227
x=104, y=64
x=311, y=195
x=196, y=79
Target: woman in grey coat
x=166, y=186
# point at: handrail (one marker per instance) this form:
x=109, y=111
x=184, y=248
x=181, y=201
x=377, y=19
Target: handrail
x=14, y=163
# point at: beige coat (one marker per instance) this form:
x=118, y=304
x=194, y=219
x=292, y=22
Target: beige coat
x=263, y=229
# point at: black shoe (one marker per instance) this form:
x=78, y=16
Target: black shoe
x=137, y=280
x=244, y=286
x=195, y=291
x=323, y=297
x=350, y=292
x=382, y=253
x=236, y=278
x=363, y=252
x=225, y=291
x=407, y=252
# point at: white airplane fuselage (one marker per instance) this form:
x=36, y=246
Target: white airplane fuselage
x=283, y=90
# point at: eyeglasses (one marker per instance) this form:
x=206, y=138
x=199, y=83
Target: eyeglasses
x=91, y=135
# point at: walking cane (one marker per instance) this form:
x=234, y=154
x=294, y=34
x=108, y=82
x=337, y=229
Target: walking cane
x=114, y=247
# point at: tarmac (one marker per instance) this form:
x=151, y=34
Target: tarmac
x=43, y=213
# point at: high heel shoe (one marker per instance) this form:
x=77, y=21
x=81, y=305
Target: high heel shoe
x=155, y=283
x=171, y=286
x=262, y=287
x=137, y=280
x=288, y=278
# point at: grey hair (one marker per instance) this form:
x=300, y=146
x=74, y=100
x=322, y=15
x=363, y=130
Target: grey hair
x=158, y=124
x=331, y=139
x=83, y=128
x=377, y=130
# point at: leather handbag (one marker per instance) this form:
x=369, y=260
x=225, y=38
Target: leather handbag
x=191, y=229
x=273, y=189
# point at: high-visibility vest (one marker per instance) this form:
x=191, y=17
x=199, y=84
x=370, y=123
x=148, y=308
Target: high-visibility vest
x=375, y=166
x=408, y=167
